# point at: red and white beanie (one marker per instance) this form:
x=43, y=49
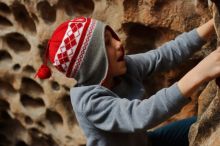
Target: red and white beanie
x=77, y=49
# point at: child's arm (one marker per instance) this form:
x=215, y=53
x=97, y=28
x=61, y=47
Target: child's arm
x=172, y=53
x=206, y=70
x=110, y=113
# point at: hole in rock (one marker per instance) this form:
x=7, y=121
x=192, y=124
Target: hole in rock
x=29, y=69
x=68, y=137
x=17, y=42
x=40, y=124
x=4, y=115
x=28, y=101
x=55, y=85
x=4, y=55
x=77, y=6
x=43, y=140
x=4, y=105
x=66, y=102
x=22, y=16
x=28, y=120
x=4, y=21
x=130, y=4
x=12, y=128
x=4, y=8
x=47, y=12
x=159, y=4
x=31, y=87
x=20, y=143
x=140, y=37
x=66, y=88
x=16, y=67
x=4, y=140
x=54, y=117
x=42, y=47
x=6, y=89
x=35, y=132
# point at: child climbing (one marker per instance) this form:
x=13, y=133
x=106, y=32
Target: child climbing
x=107, y=99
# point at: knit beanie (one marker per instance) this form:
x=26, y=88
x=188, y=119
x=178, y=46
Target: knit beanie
x=77, y=49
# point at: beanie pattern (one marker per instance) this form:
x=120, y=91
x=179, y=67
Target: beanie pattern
x=73, y=47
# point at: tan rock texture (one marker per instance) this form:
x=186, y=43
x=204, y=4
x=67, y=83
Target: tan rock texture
x=205, y=132
x=38, y=112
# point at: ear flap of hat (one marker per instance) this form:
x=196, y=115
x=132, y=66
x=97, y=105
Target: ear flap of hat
x=95, y=63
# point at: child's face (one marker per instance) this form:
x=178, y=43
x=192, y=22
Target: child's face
x=117, y=65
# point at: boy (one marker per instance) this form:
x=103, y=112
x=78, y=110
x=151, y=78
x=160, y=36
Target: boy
x=106, y=99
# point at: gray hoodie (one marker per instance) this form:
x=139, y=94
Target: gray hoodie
x=119, y=117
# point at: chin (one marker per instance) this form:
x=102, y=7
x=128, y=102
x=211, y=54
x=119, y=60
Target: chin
x=123, y=71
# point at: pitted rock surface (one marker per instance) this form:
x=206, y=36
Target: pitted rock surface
x=38, y=112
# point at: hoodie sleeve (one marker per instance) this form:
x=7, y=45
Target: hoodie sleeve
x=168, y=55
x=116, y=114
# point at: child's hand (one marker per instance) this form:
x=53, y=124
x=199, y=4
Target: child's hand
x=209, y=67
x=206, y=70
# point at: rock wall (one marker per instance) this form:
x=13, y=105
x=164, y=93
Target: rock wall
x=38, y=112
x=206, y=131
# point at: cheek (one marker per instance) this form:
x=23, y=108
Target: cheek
x=110, y=61
x=111, y=55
